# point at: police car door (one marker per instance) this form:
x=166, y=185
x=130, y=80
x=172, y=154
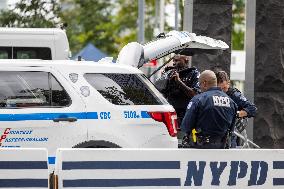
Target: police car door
x=38, y=108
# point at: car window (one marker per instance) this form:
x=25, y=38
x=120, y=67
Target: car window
x=123, y=89
x=31, y=89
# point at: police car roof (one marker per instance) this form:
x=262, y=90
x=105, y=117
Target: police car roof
x=71, y=65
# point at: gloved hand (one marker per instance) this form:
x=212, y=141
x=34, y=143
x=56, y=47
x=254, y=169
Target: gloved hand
x=186, y=142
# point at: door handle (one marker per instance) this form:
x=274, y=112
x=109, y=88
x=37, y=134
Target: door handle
x=69, y=119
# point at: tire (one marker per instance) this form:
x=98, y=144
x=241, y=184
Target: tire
x=96, y=144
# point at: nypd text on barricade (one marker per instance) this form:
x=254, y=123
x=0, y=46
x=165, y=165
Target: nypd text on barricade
x=163, y=168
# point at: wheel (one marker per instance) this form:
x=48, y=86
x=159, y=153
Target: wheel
x=96, y=144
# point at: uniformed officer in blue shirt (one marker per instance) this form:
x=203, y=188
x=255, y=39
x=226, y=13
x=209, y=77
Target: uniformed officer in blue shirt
x=211, y=113
x=245, y=107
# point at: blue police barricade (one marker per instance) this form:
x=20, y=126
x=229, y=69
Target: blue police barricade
x=167, y=168
x=23, y=168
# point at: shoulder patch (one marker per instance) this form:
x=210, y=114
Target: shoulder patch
x=243, y=98
x=198, y=74
x=189, y=105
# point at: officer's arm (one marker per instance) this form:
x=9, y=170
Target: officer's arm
x=245, y=105
x=188, y=91
x=189, y=120
x=192, y=90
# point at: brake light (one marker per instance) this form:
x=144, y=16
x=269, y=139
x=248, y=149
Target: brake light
x=169, y=119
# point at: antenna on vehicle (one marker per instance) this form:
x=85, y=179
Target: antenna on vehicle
x=63, y=26
x=161, y=35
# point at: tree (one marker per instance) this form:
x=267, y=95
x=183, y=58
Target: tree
x=126, y=20
x=238, y=25
x=31, y=14
x=89, y=21
x=108, y=24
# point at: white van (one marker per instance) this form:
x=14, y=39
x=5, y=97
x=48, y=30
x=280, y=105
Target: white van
x=34, y=43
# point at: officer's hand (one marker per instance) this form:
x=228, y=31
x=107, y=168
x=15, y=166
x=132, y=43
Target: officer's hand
x=242, y=113
x=175, y=76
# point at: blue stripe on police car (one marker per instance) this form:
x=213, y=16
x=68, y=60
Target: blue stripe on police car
x=47, y=116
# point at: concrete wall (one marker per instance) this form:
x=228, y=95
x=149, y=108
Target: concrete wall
x=269, y=73
x=212, y=18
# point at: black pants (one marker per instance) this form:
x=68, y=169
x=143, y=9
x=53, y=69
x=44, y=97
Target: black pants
x=210, y=145
x=180, y=134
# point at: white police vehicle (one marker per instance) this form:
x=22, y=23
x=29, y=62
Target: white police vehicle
x=81, y=104
x=68, y=103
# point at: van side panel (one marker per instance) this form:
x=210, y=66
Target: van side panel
x=20, y=40
x=61, y=45
x=55, y=39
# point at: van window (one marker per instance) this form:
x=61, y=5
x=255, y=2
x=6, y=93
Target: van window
x=31, y=89
x=32, y=53
x=5, y=52
x=123, y=89
x=43, y=53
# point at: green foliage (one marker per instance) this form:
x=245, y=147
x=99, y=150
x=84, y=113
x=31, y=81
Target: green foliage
x=31, y=14
x=238, y=25
x=126, y=20
x=181, y=9
x=89, y=21
x=108, y=24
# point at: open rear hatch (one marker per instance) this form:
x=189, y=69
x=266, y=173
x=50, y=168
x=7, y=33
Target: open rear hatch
x=135, y=54
x=179, y=42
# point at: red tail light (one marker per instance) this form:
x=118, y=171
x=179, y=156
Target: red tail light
x=169, y=119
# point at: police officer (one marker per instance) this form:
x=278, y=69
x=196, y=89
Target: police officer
x=245, y=107
x=181, y=84
x=211, y=114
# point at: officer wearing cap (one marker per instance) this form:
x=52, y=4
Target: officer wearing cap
x=211, y=114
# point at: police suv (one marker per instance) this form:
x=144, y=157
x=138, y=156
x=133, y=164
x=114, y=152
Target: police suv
x=68, y=103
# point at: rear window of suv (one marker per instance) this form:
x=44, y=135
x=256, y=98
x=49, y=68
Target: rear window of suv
x=124, y=89
x=26, y=89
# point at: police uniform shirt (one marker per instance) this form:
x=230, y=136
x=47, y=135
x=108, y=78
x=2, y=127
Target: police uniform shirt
x=177, y=96
x=242, y=102
x=213, y=112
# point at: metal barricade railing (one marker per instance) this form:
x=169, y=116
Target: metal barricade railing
x=240, y=132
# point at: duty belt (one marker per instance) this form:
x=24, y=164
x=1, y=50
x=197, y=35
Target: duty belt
x=201, y=139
